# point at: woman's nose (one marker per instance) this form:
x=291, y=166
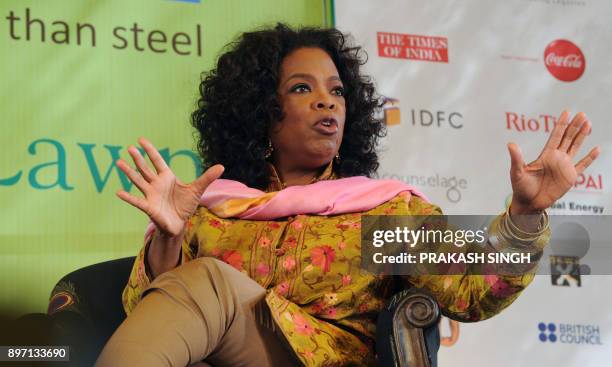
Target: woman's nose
x=324, y=103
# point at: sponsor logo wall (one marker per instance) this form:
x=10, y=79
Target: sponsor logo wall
x=461, y=80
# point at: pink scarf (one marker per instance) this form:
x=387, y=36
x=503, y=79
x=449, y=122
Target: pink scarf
x=232, y=199
x=228, y=198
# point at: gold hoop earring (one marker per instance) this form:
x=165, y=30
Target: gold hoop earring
x=269, y=150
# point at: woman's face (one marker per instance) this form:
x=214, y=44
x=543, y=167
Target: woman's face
x=311, y=95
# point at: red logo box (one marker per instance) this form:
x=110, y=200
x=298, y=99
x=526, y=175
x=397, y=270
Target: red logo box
x=412, y=47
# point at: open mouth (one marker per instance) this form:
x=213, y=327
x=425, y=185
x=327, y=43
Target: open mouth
x=327, y=126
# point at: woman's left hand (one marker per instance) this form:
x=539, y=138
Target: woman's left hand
x=537, y=185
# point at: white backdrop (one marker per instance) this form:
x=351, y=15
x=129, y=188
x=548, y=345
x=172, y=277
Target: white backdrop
x=466, y=78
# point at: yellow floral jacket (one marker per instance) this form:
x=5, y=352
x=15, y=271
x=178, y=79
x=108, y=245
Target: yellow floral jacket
x=321, y=300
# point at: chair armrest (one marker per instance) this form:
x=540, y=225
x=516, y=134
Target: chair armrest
x=407, y=332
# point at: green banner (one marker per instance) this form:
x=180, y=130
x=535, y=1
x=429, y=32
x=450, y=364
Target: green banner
x=80, y=81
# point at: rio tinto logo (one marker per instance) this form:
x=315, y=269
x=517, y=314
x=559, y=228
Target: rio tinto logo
x=564, y=60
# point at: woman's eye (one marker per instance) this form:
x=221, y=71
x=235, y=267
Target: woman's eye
x=339, y=91
x=300, y=88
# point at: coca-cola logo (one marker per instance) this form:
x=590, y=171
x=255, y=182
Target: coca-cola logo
x=564, y=60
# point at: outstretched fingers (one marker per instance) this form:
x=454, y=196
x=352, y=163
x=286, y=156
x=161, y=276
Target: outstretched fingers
x=571, y=131
x=154, y=156
x=211, y=174
x=137, y=202
x=585, y=162
x=141, y=164
x=517, y=164
x=557, y=133
x=577, y=143
x=134, y=176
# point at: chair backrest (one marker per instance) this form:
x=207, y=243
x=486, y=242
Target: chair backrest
x=86, y=303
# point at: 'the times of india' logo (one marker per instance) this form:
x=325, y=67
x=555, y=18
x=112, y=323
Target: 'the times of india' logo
x=569, y=333
x=412, y=47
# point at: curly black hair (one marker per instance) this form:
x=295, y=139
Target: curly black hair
x=239, y=102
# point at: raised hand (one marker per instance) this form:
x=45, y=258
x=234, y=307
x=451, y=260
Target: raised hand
x=537, y=185
x=167, y=201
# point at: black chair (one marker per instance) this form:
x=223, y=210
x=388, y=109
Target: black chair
x=86, y=308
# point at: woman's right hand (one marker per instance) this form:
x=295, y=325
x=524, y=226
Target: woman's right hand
x=167, y=201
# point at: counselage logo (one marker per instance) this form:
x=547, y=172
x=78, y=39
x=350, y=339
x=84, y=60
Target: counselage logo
x=564, y=333
x=564, y=60
x=453, y=185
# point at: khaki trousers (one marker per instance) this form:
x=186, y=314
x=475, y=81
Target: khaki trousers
x=202, y=310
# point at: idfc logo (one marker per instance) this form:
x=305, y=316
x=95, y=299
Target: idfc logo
x=569, y=333
x=412, y=47
x=426, y=118
x=564, y=60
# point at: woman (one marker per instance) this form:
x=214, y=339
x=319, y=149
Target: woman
x=288, y=121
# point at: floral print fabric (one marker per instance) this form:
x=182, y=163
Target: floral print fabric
x=322, y=301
